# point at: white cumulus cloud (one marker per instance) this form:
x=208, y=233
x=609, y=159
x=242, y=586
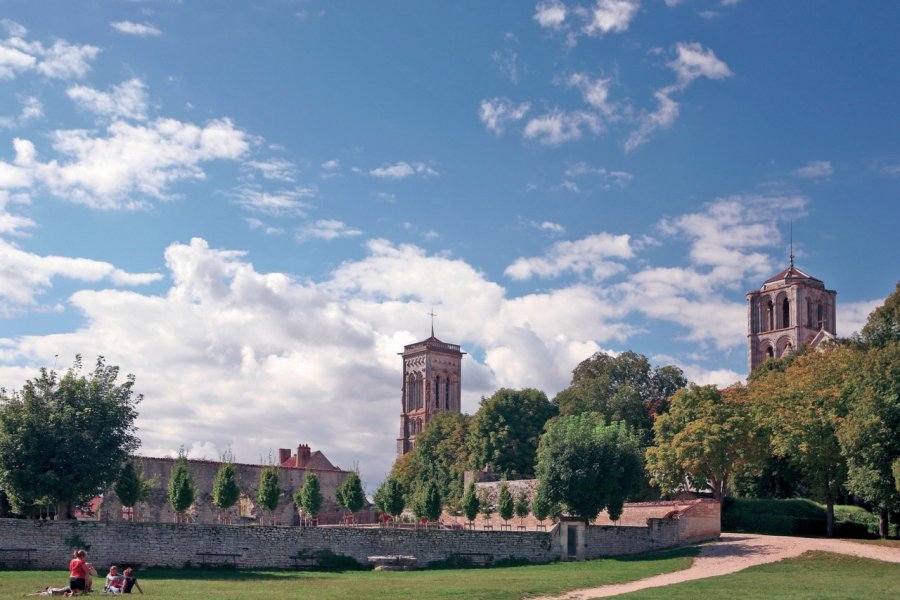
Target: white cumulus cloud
x=138, y=29
x=589, y=255
x=128, y=100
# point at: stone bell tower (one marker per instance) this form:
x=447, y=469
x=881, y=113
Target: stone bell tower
x=789, y=310
x=432, y=372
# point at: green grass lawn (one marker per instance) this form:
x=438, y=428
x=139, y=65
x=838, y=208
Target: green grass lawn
x=469, y=584
x=814, y=576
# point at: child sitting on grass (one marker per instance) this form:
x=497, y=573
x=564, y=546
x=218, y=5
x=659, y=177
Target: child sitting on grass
x=114, y=581
x=130, y=582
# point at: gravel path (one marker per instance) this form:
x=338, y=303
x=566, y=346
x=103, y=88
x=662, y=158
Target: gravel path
x=735, y=552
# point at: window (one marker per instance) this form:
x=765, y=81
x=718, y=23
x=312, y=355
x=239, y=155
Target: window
x=770, y=316
x=785, y=313
x=770, y=352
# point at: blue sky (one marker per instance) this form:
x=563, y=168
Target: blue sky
x=253, y=205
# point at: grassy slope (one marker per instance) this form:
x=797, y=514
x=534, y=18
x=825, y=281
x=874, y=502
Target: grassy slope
x=469, y=584
x=796, y=517
x=814, y=576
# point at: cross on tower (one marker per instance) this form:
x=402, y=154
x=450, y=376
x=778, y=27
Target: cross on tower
x=432, y=315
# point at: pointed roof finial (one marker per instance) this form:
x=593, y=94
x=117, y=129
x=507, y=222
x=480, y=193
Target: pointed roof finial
x=792, y=244
x=432, y=315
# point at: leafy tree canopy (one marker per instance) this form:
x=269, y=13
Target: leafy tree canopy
x=470, y=503
x=131, y=487
x=225, y=491
x=505, y=432
x=505, y=502
x=350, y=493
x=65, y=438
x=440, y=455
x=621, y=388
x=883, y=325
x=706, y=436
x=870, y=434
x=389, y=497
x=427, y=501
x=587, y=465
x=269, y=491
x=309, y=498
x=522, y=505
x=181, y=490
x=801, y=410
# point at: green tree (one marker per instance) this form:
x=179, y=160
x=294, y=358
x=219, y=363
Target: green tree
x=269, y=491
x=131, y=487
x=621, y=388
x=64, y=438
x=440, y=455
x=801, y=410
x=470, y=504
x=870, y=435
x=705, y=438
x=505, y=432
x=522, y=506
x=587, y=465
x=309, y=498
x=350, y=493
x=505, y=502
x=427, y=502
x=225, y=490
x=883, y=325
x=540, y=504
x=182, y=490
x=485, y=506
x=896, y=469
x=389, y=498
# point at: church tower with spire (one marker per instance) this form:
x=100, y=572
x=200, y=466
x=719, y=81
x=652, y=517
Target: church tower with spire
x=432, y=374
x=789, y=310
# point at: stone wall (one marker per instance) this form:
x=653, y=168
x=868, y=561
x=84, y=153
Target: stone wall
x=171, y=545
x=158, y=510
x=168, y=544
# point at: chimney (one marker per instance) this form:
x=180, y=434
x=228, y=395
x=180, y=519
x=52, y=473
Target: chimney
x=303, y=454
x=283, y=455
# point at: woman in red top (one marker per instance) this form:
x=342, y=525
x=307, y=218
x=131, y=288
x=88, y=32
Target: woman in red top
x=78, y=572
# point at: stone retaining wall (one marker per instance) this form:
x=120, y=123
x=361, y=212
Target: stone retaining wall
x=171, y=545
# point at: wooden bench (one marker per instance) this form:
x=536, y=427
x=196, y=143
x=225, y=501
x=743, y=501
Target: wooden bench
x=505, y=527
x=474, y=559
x=16, y=557
x=212, y=559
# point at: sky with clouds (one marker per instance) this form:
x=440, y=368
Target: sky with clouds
x=253, y=206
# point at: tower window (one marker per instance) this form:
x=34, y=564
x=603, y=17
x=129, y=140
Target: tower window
x=809, y=322
x=437, y=391
x=786, y=313
x=770, y=316
x=770, y=352
x=820, y=316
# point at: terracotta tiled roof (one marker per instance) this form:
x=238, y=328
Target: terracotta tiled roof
x=792, y=272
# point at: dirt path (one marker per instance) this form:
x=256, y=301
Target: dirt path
x=735, y=552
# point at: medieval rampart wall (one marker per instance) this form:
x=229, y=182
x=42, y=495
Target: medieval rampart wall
x=171, y=545
x=157, y=508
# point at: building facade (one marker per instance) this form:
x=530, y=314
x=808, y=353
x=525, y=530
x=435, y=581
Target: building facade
x=789, y=310
x=432, y=379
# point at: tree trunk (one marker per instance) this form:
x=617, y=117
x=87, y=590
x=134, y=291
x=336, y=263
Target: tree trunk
x=829, y=516
x=883, y=523
x=63, y=511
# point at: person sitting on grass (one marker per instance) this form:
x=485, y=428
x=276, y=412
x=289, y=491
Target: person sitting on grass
x=89, y=580
x=130, y=582
x=78, y=573
x=114, y=581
